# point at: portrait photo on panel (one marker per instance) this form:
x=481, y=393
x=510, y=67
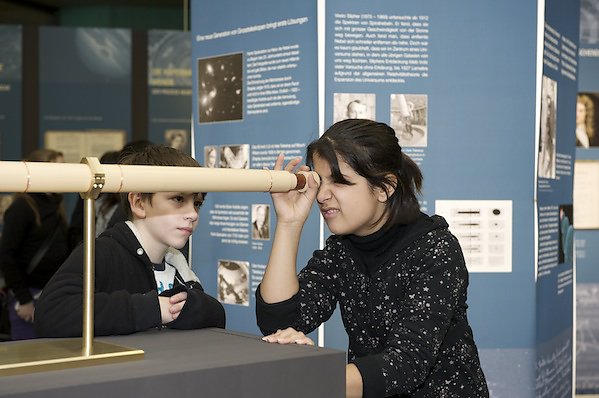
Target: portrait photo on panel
x=211, y=156
x=587, y=120
x=260, y=221
x=220, y=88
x=235, y=156
x=354, y=106
x=409, y=119
x=233, y=282
x=547, y=135
x=177, y=138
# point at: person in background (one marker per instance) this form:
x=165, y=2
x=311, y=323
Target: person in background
x=108, y=214
x=398, y=275
x=106, y=205
x=32, y=248
x=142, y=280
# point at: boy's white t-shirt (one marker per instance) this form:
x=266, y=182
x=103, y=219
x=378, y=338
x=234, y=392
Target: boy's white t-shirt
x=165, y=276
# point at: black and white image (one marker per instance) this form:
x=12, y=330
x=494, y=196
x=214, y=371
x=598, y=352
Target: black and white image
x=177, y=138
x=220, y=88
x=235, y=156
x=260, y=221
x=409, y=115
x=233, y=282
x=211, y=156
x=589, y=22
x=354, y=106
x=547, y=149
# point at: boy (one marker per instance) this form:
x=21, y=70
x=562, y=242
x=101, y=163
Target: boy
x=141, y=280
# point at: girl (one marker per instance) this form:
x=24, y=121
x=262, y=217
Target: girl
x=397, y=274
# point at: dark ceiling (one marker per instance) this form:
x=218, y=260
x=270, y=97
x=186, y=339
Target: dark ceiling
x=45, y=12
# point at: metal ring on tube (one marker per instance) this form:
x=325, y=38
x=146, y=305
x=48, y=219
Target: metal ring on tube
x=28, y=183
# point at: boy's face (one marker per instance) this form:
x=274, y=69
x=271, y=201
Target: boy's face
x=168, y=218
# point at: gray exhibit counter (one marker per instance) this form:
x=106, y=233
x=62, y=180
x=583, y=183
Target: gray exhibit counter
x=195, y=363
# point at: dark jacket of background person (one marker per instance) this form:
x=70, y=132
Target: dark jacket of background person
x=126, y=297
x=22, y=238
x=105, y=206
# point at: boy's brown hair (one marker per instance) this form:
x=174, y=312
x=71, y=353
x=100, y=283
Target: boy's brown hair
x=155, y=155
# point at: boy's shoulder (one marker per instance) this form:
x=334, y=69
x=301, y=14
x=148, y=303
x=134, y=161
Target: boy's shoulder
x=120, y=234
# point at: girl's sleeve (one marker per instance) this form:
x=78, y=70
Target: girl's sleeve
x=312, y=305
x=425, y=315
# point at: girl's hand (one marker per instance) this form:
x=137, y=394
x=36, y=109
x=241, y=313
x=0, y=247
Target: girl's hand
x=293, y=207
x=288, y=336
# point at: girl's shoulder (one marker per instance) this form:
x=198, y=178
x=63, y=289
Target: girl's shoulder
x=335, y=243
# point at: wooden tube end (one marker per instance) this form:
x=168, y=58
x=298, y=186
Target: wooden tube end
x=302, y=178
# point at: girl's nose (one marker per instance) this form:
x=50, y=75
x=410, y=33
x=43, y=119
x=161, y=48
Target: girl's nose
x=324, y=193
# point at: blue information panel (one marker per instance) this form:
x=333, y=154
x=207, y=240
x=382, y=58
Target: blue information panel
x=85, y=79
x=254, y=96
x=555, y=230
x=11, y=55
x=10, y=101
x=458, y=82
x=169, y=88
x=462, y=109
x=586, y=202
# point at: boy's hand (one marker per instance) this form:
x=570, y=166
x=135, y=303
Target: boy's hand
x=170, y=307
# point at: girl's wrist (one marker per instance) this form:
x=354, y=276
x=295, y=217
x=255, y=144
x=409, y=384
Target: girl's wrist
x=290, y=226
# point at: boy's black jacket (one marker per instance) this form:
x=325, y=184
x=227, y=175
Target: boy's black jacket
x=126, y=298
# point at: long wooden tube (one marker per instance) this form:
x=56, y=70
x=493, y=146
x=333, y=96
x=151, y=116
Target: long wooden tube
x=90, y=178
x=72, y=177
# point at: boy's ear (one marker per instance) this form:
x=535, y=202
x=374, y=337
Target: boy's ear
x=137, y=204
x=384, y=194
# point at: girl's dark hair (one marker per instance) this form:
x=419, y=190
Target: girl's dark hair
x=154, y=155
x=372, y=150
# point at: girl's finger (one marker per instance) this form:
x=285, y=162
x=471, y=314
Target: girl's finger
x=292, y=164
x=304, y=341
x=279, y=162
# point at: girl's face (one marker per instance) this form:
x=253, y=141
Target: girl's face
x=349, y=209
